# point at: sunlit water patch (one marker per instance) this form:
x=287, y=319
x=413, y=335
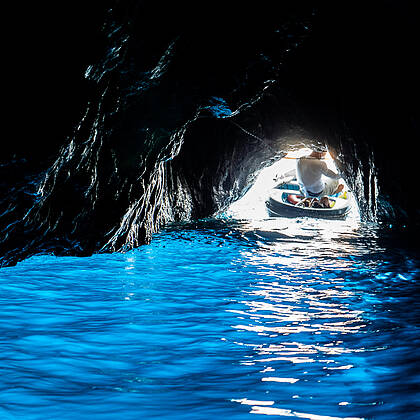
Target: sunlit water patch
x=217, y=319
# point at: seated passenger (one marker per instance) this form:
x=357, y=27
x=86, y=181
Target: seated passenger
x=309, y=172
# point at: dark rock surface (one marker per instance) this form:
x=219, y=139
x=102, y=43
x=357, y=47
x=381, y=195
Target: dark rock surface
x=130, y=114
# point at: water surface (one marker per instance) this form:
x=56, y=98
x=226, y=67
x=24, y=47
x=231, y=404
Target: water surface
x=217, y=319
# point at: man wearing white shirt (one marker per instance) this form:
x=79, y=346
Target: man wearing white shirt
x=310, y=171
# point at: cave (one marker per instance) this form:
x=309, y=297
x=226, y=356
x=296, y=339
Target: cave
x=142, y=274
x=126, y=118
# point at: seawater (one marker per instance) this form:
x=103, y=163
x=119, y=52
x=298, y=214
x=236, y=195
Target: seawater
x=217, y=319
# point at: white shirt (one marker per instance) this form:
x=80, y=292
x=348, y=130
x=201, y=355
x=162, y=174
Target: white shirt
x=309, y=171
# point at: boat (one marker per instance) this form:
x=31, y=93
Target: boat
x=285, y=200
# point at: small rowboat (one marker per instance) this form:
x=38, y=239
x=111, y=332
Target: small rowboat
x=285, y=201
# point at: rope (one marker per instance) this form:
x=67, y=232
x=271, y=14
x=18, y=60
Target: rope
x=247, y=132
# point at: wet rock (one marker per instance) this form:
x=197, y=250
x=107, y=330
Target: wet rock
x=168, y=114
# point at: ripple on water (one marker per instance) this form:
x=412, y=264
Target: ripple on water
x=216, y=319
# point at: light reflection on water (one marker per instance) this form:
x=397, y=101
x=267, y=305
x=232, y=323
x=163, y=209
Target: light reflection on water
x=234, y=319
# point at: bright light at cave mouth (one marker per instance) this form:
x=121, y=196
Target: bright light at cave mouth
x=252, y=205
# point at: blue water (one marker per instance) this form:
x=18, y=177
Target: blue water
x=217, y=320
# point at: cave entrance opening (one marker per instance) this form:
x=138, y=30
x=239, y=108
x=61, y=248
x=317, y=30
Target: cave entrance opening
x=252, y=206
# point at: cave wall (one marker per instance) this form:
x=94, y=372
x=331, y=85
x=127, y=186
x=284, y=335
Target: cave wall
x=155, y=113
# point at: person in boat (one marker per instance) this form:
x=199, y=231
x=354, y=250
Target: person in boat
x=309, y=173
x=323, y=202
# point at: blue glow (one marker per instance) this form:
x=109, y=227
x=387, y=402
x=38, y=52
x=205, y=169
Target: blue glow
x=219, y=107
x=215, y=319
